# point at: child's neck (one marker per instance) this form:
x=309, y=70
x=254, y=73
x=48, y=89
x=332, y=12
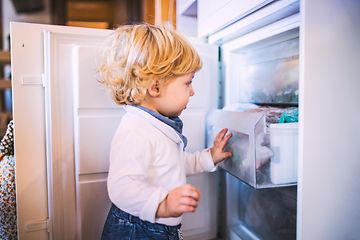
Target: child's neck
x=149, y=106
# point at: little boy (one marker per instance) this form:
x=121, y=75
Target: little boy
x=149, y=70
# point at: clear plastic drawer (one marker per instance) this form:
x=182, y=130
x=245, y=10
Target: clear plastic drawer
x=263, y=156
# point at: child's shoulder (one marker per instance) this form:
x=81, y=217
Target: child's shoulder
x=136, y=123
x=130, y=119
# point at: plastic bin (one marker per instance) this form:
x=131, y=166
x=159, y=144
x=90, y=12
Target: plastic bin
x=263, y=157
x=284, y=144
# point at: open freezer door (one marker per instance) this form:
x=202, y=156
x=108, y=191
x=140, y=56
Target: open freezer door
x=64, y=122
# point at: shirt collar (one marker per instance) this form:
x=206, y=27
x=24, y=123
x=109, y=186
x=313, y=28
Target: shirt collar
x=173, y=122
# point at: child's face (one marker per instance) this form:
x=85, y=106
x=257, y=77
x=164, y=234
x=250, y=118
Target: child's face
x=175, y=95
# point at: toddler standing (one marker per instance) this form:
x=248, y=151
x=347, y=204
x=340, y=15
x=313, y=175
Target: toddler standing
x=149, y=70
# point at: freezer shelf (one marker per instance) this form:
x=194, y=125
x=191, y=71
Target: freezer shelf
x=256, y=160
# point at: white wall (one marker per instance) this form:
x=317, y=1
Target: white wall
x=9, y=14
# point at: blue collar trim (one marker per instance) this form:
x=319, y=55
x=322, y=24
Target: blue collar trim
x=174, y=122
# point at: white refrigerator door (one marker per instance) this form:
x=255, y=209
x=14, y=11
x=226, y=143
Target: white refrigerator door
x=64, y=122
x=329, y=167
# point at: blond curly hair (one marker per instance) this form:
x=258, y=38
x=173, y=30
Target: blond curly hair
x=140, y=54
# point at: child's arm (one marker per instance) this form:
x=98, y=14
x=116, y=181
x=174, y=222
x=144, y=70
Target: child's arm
x=186, y=197
x=207, y=159
x=179, y=201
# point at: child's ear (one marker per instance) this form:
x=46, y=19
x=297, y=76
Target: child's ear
x=154, y=89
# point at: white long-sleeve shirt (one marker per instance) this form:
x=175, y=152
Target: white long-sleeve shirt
x=146, y=162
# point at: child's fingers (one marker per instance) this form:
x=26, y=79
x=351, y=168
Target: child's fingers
x=226, y=139
x=221, y=135
x=227, y=154
x=223, y=155
x=221, y=144
x=189, y=198
x=186, y=208
x=189, y=202
x=190, y=191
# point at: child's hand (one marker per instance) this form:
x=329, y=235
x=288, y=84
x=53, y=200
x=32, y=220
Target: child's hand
x=180, y=200
x=217, y=151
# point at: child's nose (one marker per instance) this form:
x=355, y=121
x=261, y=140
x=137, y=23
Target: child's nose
x=192, y=93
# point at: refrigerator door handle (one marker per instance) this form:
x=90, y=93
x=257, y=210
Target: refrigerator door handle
x=32, y=79
x=37, y=225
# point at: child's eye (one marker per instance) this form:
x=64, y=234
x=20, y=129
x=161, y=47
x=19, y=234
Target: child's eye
x=188, y=83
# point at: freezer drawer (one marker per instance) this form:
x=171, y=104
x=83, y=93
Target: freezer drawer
x=264, y=156
x=254, y=214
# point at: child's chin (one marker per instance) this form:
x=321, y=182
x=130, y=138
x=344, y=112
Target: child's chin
x=177, y=114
